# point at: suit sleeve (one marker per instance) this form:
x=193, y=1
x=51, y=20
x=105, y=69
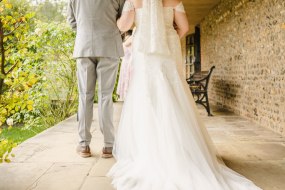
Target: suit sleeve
x=121, y=6
x=70, y=15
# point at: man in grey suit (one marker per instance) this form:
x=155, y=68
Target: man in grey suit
x=98, y=47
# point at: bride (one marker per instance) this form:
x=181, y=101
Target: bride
x=161, y=143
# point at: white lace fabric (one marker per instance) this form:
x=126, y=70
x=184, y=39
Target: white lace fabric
x=128, y=6
x=180, y=8
x=152, y=28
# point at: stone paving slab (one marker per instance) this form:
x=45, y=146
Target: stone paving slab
x=97, y=183
x=48, y=161
x=267, y=174
x=101, y=168
x=19, y=176
x=67, y=176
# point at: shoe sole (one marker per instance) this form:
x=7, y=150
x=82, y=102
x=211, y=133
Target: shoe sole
x=84, y=155
x=107, y=156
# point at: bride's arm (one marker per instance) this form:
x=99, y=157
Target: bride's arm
x=126, y=21
x=181, y=20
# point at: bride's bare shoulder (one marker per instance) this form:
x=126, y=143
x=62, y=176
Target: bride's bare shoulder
x=137, y=3
x=171, y=3
x=166, y=3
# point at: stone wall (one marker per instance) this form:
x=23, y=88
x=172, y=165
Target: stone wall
x=245, y=40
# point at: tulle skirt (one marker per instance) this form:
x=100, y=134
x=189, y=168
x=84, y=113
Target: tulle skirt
x=161, y=142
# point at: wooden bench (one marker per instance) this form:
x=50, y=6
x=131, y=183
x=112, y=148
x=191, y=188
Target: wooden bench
x=198, y=84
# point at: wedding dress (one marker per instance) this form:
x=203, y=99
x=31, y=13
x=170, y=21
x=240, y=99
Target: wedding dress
x=161, y=142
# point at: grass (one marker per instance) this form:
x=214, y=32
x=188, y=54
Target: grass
x=10, y=137
x=19, y=134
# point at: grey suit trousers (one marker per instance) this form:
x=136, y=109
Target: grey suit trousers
x=104, y=71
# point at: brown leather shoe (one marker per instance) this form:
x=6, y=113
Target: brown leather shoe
x=107, y=152
x=83, y=151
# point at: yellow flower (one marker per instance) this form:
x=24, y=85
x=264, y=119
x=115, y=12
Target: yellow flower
x=4, y=142
x=30, y=107
x=8, y=6
x=30, y=102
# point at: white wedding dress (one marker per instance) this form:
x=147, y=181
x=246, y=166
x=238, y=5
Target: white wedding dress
x=161, y=143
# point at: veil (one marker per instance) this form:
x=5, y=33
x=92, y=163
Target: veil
x=153, y=38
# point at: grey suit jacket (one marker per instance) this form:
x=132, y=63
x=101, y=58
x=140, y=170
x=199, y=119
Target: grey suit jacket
x=95, y=22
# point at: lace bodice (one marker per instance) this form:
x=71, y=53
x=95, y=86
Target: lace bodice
x=168, y=19
x=168, y=15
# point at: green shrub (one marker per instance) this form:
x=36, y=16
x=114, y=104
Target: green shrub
x=38, y=86
x=15, y=23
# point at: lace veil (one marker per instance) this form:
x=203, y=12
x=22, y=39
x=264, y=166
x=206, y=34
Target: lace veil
x=152, y=29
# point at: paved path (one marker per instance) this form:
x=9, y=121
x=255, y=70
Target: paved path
x=48, y=161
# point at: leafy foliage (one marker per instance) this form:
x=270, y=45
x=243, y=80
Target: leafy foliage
x=5, y=150
x=14, y=25
x=15, y=22
x=38, y=86
x=47, y=11
x=56, y=45
x=38, y=83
